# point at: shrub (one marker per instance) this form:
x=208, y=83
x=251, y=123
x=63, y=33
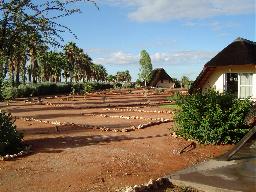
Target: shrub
x=10, y=139
x=118, y=85
x=42, y=89
x=128, y=85
x=88, y=88
x=1, y=85
x=77, y=88
x=8, y=91
x=95, y=86
x=212, y=117
x=26, y=90
x=174, y=97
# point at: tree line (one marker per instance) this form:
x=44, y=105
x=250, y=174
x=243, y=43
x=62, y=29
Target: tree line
x=29, y=30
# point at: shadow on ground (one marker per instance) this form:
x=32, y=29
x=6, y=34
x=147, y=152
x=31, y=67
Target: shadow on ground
x=59, y=144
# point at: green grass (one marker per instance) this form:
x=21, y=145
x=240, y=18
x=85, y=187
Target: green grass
x=170, y=106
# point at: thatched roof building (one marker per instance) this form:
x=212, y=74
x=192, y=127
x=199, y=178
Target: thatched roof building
x=159, y=78
x=239, y=52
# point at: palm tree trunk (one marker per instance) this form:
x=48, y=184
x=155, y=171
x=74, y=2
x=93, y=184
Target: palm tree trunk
x=17, y=74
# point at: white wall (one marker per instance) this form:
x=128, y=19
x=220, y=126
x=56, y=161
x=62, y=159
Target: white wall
x=216, y=79
x=165, y=84
x=218, y=85
x=254, y=86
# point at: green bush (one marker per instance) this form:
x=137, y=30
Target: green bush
x=26, y=90
x=1, y=85
x=175, y=97
x=10, y=139
x=118, y=85
x=88, y=88
x=128, y=85
x=95, y=86
x=8, y=92
x=212, y=117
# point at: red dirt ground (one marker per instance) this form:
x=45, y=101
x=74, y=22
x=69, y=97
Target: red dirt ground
x=90, y=160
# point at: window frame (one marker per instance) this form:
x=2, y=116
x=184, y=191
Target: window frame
x=239, y=85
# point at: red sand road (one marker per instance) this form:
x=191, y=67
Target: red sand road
x=91, y=160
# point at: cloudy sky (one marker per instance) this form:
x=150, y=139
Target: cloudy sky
x=180, y=35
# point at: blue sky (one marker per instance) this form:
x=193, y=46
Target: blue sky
x=180, y=36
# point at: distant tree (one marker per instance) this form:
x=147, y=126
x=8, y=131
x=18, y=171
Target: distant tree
x=128, y=76
x=138, y=83
x=185, y=82
x=51, y=66
x=25, y=27
x=111, y=78
x=99, y=72
x=123, y=76
x=177, y=83
x=145, y=67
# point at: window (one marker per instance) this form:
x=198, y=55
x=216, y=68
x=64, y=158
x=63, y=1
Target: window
x=245, y=85
x=231, y=81
x=239, y=84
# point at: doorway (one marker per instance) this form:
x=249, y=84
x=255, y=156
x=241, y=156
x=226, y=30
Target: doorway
x=232, y=83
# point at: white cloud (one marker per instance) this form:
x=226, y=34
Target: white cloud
x=176, y=64
x=118, y=57
x=186, y=58
x=214, y=25
x=162, y=10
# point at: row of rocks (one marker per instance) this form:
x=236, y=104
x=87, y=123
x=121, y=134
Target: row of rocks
x=131, y=117
x=54, y=105
x=140, y=126
x=25, y=151
x=152, y=185
x=131, y=109
x=73, y=124
x=132, y=128
x=56, y=122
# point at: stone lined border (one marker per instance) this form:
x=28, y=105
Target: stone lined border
x=107, y=104
x=132, y=128
x=152, y=185
x=54, y=105
x=57, y=123
x=26, y=151
x=135, y=109
x=131, y=117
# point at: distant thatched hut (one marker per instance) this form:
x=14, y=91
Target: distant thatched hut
x=159, y=78
x=232, y=70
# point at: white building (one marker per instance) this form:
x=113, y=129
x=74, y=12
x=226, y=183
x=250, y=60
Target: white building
x=232, y=70
x=159, y=78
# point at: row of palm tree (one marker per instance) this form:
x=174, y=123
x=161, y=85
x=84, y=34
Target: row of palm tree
x=36, y=63
x=27, y=29
x=120, y=76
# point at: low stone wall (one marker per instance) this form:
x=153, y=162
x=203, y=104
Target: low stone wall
x=132, y=128
x=25, y=151
x=136, y=109
x=151, y=186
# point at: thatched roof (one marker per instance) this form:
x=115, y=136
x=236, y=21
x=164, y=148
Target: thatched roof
x=239, y=52
x=157, y=75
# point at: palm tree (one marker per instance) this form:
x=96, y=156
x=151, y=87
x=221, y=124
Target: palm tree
x=123, y=76
x=111, y=78
x=71, y=52
x=99, y=72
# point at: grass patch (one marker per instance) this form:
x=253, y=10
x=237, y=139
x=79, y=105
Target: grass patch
x=170, y=106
